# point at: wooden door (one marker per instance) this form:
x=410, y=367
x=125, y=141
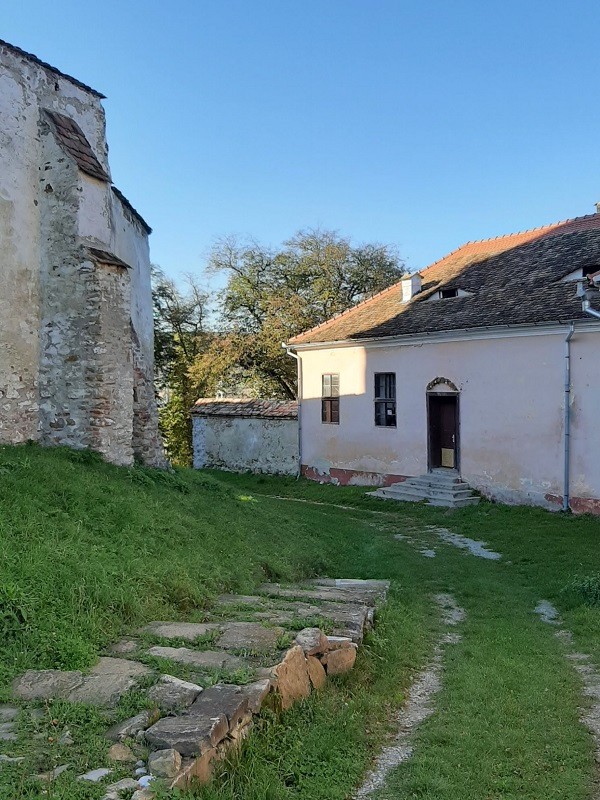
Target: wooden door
x=443, y=431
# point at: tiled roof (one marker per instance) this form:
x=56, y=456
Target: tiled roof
x=512, y=280
x=30, y=57
x=72, y=139
x=238, y=407
x=132, y=210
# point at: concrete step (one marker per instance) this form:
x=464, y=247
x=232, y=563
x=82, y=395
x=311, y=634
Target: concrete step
x=438, y=488
x=461, y=503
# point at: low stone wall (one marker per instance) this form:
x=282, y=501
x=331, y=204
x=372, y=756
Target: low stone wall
x=240, y=444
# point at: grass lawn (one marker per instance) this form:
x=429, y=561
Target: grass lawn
x=89, y=552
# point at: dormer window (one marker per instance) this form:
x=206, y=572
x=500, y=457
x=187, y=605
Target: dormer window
x=447, y=294
x=581, y=273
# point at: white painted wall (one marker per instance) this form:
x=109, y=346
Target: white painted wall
x=511, y=412
x=246, y=443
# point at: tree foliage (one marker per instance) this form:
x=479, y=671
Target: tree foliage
x=179, y=339
x=272, y=295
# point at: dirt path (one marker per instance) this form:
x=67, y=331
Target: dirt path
x=420, y=703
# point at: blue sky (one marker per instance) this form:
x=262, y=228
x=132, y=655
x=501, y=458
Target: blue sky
x=422, y=124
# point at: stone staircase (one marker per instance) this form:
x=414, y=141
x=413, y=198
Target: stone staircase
x=440, y=487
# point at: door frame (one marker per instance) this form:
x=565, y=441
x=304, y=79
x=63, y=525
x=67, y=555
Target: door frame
x=456, y=396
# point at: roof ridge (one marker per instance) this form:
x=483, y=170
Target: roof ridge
x=31, y=57
x=393, y=286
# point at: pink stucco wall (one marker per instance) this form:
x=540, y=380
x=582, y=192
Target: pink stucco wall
x=511, y=414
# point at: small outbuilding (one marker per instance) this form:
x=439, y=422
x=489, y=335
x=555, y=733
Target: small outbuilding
x=242, y=435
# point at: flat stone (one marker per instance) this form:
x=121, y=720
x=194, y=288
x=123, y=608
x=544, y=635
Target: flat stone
x=180, y=630
x=120, y=666
x=164, y=763
x=316, y=672
x=7, y=732
x=309, y=591
x=203, y=659
x=190, y=735
x=120, y=752
x=46, y=684
x=8, y=713
x=249, y=636
x=107, y=682
x=293, y=682
x=240, y=600
x=129, y=727
x=10, y=759
x=171, y=693
x=374, y=588
x=124, y=647
x=256, y=693
x=337, y=662
x=223, y=698
x=95, y=775
x=102, y=690
x=48, y=777
x=312, y=641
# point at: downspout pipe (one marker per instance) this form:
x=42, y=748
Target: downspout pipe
x=299, y=399
x=587, y=308
x=567, y=425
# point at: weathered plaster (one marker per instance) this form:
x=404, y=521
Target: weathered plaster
x=76, y=360
x=243, y=443
x=511, y=414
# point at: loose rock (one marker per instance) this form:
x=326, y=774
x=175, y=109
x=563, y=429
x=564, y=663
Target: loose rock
x=312, y=641
x=120, y=752
x=95, y=775
x=48, y=777
x=293, y=682
x=129, y=727
x=164, y=763
x=339, y=661
x=316, y=672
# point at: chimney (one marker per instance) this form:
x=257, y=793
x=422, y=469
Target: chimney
x=597, y=208
x=411, y=285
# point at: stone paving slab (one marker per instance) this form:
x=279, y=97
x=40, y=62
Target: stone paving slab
x=249, y=636
x=172, y=693
x=202, y=659
x=223, y=698
x=309, y=591
x=181, y=630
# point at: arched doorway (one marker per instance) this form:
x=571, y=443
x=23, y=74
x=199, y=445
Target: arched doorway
x=443, y=428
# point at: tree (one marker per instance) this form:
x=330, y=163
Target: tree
x=272, y=295
x=179, y=338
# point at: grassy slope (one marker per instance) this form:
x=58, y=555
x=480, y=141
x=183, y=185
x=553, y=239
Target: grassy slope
x=89, y=551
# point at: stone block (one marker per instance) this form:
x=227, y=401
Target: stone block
x=164, y=763
x=171, y=693
x=223, y=698
x=250, y=636
x=180, y=630
x=202, y=659
x=312, y=641
x=292, y=678
x=190, y=735
x=256, y=693
x=95, y=775
x=198, y=769
x=337, y=662
x=316, y=672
